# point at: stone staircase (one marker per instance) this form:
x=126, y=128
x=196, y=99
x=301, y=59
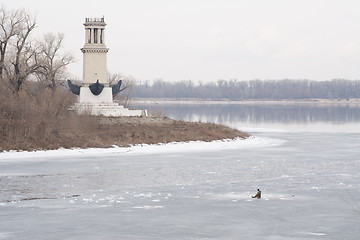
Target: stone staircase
x=107, y=110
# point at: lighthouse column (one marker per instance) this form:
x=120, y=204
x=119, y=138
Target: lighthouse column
x=95, y=62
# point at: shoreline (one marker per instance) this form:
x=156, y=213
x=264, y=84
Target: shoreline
x=41, y=155
x=352, y=101
x=106, y=132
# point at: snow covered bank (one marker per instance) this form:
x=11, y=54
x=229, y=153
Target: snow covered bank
x=251, y=142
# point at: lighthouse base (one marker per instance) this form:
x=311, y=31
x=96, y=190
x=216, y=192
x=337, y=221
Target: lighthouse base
x=107, y=110
x=103, y=105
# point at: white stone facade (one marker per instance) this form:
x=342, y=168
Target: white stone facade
x=95, y=69
x=108, y=110
x=94, y=52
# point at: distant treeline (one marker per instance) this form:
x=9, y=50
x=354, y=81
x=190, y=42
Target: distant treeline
x=254, y=89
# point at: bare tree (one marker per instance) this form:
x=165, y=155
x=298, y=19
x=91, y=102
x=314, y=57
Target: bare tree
x=126, y=90
x=19, y=61
x=11, y=23
x=53, y=60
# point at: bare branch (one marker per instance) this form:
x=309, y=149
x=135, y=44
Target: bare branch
x=127, y=90
x=53, y=60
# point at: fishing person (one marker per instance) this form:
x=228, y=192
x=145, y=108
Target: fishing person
x=257, y=195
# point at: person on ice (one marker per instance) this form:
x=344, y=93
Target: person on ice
x=258, y=194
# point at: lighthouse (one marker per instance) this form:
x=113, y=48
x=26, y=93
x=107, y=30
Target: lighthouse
x=95, y=93
x=95, y=63
x=94, y=52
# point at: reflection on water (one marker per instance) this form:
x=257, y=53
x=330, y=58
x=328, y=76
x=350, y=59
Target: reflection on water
x=260, y=114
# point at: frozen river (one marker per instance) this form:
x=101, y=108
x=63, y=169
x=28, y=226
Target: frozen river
x=308, y=173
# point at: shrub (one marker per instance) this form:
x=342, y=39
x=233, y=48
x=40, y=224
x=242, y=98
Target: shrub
x=32, y=121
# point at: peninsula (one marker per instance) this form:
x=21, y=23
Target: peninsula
x=104, y=132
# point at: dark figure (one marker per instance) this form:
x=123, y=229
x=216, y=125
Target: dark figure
x=116, y=88
x=258, y=194
x=96, y=88
x=75, y=89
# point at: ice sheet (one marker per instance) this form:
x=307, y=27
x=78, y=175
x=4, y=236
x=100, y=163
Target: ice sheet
x=309, y=182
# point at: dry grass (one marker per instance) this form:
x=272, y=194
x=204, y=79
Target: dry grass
x=31, y=121
x=42, y=121
x=152, y=130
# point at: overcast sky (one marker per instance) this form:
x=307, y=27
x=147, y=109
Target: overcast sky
x=208, y=40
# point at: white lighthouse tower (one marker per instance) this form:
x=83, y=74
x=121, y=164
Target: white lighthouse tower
x=94, y=62
x=95, y=94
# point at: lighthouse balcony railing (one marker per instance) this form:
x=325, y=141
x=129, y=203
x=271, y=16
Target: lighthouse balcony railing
x=94, y=19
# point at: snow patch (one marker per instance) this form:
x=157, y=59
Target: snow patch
x=148, y=207
x=317, y=234
x=5, y=235
x=235, y=196
x=227, y=144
